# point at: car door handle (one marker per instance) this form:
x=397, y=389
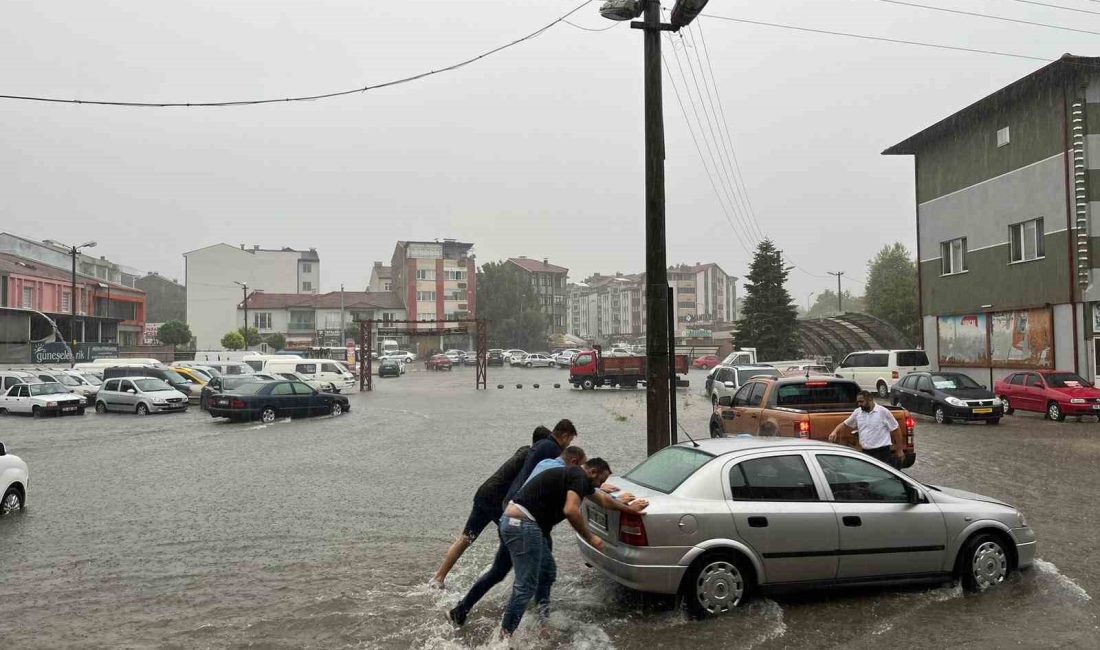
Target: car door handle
x=758, y=522
x=852, y=521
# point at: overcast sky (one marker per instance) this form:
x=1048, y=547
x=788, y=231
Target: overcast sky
x=535, y=151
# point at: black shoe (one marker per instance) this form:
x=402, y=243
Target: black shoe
x=457, y=617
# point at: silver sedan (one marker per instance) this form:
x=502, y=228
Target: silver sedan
x=732, y=516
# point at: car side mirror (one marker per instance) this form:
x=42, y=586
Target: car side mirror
x=725, y=401
x=729, y=384
x=3, y=451
x=130, y=390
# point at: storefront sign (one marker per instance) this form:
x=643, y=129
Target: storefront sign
x=58, y=352
x=149, y=335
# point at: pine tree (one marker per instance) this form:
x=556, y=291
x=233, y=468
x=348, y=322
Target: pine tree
x=768, y=317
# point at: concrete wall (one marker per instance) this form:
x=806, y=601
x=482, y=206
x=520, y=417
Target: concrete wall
x=164, y=300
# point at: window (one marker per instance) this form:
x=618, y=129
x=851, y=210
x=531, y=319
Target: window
x=66, y=301
x=1033, y=381
x=741, y=397
x=912, y=358
x=582, y=360
x=388, y=286
x=1003, y=137
x=924, y=383
x=1026, y=241
x=126, y=385
x=307, y=286
x=330, y=367
x=778, y=478
x=28, y=298
x=668, y=468
x=307, y=267
x=852, y=479
x=877, y=360
x=850, y=360
x=261, y=320
x=1017, y=380
x=953, y=254
x=282, y=389
x=454, y=275
x=559, y=299
x=306, y=368
x=425, y=274
x=805, y=394
x=757, y=395
x=425, y=296
x=301, y=389
x=111, y=385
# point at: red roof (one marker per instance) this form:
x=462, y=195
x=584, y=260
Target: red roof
x=535, y=266
x=330, y=300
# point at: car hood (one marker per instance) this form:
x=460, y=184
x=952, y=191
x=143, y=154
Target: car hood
x=1084, y=392
x=968, y=393
x=165, y=393
x=969, y=496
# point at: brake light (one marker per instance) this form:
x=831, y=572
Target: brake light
x=895, y=374
x=910, y=424
x=804, y=429
x=236, y=403
x=816, y=384
x=632, y=529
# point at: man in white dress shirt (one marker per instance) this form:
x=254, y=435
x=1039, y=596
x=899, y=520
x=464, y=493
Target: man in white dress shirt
x=877, y=428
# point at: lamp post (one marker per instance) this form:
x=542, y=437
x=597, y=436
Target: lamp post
x=73, y=250
x=244, y=291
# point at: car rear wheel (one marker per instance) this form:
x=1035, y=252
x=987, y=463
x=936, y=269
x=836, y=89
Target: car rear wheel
x=984, y=563
x=1006, y=405
x=11, y=502
x=267, y=415
x=142, y=409
x=883, y=390
x=588, y=385
x=941, y=416
x=337, y=408
x=1054, y=412
x=715, y=585
x=100, y=407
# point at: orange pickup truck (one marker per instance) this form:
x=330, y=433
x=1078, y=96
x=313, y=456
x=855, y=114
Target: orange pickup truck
x=799, y=407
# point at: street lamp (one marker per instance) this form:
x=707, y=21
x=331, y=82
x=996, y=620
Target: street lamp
x=73, y=250
x=244, y=330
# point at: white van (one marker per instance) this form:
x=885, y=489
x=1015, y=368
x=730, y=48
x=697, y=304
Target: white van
x=325, y=371
x=259, y=361
x=230, y=367
x=878, y=370
x=98, y=365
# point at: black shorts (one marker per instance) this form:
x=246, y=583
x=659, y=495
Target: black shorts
x=481, y=515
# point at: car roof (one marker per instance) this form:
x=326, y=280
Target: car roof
x=724, y=446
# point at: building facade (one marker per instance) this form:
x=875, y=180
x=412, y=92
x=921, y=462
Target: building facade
x=437, y=281
x=1007, y=211
x=58, y=255
x=315, y=319
x=550, y=283
x=703, y=294
x=213, y=295
x=381, y=278
x=165, y=298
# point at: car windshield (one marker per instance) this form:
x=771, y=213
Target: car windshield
x=93, y=380
x=745, y=375
x=151, y=385
x=1066, y=380
x=68, y=380
x=174, y=377
x=48, y=388
x=954, y=382
x=668, y=468
x=234, y=382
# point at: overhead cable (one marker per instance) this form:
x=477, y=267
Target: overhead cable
x=975, y=14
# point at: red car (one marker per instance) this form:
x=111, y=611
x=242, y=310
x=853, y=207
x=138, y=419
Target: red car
x=438, y=362
x=1053, y=392
x=707, y=362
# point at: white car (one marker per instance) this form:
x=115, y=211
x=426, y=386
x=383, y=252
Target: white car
x=728, y=380
x=403, y=355
x=537, y=361
x=14, y=479
x=516, y=358
x=46, y=398
x=141, y=395
x=618, y=352
x=565, y=357
x=879, y=370
x=323, y=386
x=456, y=356
x=508, y=354
x=75, y=382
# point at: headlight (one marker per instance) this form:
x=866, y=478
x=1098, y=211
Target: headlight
x=158, y=400
x=83, y=402
x=51, y=404
x=1020, y=519
x=955, y=401
x=1077, y=400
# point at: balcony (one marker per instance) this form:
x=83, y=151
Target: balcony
x=302, y=326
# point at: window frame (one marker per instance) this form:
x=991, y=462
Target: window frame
x=947, y=261
x=747, y=390
x=736, y=464
x=832, y=495
x=756, y=397
x=1017, y=252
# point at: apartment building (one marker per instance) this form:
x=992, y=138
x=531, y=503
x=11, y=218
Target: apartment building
x=381, y=278
x=213, y=295
x=703, y=293
x=166, y=299
x=310, y=319
x=437, y=281
x=550, y=283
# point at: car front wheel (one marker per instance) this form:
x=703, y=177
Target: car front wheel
x=337, y=408
x=142, y=409
x=1007, y=405
x=100, y=407
x=984, y=563
x=11, y=502
x=883, y=390
x=715, y=585
x=267, y=415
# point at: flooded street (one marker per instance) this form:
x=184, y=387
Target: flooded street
x=179, y=531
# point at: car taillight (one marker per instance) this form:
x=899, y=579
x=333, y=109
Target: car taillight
x=632, y=529
x=236, y=403
x=804, y=429
x=910, y=424
x=895, y=374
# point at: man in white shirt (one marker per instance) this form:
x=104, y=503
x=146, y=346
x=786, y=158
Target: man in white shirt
x=876, y=427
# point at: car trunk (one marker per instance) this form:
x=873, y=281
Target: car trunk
x=604, y=522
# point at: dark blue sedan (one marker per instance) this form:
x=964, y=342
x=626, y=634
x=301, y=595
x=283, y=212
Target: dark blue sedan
x=271, y=400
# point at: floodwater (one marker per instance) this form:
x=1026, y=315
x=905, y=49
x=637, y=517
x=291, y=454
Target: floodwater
x=178, y=531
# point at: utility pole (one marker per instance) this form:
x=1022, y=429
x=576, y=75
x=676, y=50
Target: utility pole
x=343, y=338
x=839, y=306
x=244, y=303
x=73, y=250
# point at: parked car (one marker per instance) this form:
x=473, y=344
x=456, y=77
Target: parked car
x=189, y=387
x=320, y=370
x=564, y=358
x=728, y=379
x=516, y=358
x=508, y=354
x=807, y=370
x=73, y=382
x=1053, y=392
x=326, y=386
x=947, y=396
x=538, y=360
x=456, y=356
x=734, y=516
x=9, y=378
x=438, y=362
x=399, y=356
x=196, y=376
x=14, y=479
x=86, y=378
x=494, y=358
x=619, y=352
x=390, y=368
x=43, y=398
x=270, y=400
x=470, y=359
x=878, y=370
x=230, y=367
x=138, y=394
x=706, y=362
x=220, y=384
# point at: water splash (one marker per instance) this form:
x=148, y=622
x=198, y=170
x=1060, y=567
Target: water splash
x=1069, y=585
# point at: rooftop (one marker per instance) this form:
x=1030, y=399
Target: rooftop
x=309, y=255
x=15, y=264
x=535, y=266
x=330, y=300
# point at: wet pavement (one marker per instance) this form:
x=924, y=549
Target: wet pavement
x=179, y=531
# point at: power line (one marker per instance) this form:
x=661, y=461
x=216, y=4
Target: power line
x=303, y=98
x=1063, y=7
x=989, y=16
x=882, y=39
x=593, y=29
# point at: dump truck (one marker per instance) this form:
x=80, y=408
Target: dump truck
x=591, y=369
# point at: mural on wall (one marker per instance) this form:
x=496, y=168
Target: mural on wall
x=1022, y=339
x=963, y=340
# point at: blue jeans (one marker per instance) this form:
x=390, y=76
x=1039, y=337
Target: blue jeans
x=534, y=566
x=502, y=564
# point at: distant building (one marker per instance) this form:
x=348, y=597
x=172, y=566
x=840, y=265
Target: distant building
x=314, y=319
x=57, y=255
x=381, y=278
x=211, y=274
x=165, y=299
x=1008, y=226
x=550, y=283
x=703, y=294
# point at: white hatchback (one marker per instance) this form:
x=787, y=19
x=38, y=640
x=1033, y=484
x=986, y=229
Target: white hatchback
x=537, y=361
x=14, y=479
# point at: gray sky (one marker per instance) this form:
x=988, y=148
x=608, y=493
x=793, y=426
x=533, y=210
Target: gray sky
x=535, y=151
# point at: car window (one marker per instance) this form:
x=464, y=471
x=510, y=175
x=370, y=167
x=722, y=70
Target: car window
x=776, y=478
x=741, y=397
x=111, y=385
x=330, y=367
x=912, y=358
x=852, y=479
x=757, y=394
x=301, y=389
x=853, y=360
x=877, y=360
x=282, y=389
x=21, y=391
x=668, y=468
x=924, y=383
x=582, y=359
x=306, y=368
x=1016, y=380
x=1033, y=381
x=125, y=385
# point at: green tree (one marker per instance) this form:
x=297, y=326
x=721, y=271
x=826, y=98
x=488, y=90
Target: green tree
x=506, y=298
x=767, y=319
x=825, y=304
x=276, y=341
x=251, y=335
x=892, y=289
x=233, y=340
x=174, y=332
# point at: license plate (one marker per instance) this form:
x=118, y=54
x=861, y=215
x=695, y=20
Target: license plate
x=73, y=408
x=598, y=518
x=1096, y=407
x=223, y=402
x=983, y=411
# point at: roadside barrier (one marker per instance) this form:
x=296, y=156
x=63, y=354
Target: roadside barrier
x=520, y=386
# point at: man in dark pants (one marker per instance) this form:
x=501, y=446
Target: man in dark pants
x=562, y=436
x=876, y=427
x=488, y=505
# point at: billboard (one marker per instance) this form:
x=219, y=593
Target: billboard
x=424, y=250
x=149, y=335
x=1022, y=339
x=962, y=340
x=58, y=353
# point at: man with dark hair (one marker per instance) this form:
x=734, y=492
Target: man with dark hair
x=877, y=429
x=488, y=505
x=560, y=438
x=541, y=504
